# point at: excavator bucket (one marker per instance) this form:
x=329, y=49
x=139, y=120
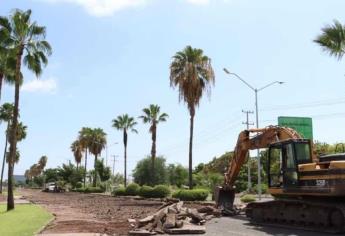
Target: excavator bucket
x=225, y=199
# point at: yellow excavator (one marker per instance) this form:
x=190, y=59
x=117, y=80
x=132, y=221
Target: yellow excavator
x=308, y=190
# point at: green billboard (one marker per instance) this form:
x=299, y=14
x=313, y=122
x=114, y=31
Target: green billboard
x=303, y=125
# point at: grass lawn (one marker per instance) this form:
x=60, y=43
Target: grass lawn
x=25, y=220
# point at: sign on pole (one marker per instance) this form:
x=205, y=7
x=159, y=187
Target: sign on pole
x=303, y=125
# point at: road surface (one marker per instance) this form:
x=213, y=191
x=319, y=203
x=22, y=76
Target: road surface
x=240, y=226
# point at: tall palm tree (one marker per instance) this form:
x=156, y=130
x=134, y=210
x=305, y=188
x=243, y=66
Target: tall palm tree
x=97, y=144
x=126, y=124
x=191, y=72
x=26, y=40
x=77, y=150
x=42, y=162
x=332, y=39
x=153, y=116
x=85, y=139
x=6, y=113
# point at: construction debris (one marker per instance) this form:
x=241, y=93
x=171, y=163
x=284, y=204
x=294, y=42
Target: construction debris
x=173, y=218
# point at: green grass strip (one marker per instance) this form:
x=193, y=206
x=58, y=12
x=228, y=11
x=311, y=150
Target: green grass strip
x=24, y=220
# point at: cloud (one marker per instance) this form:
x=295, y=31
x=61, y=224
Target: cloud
x=199, y=2
x=101, y=8
x=41, y=86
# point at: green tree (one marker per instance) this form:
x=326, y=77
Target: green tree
x=102, y=171
x=142, y=172
x=177, y=174
x=85, y=140
x=191, y=72
x=27, y=41
x=126, y=124
x=153, y=117
x=6, y=113
x=50, y=175
x=77, y=150
x=70, y=174
x=332, y=39
x=97, y=143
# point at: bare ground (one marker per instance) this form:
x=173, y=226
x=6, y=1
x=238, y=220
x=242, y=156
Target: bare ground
x=90, y=213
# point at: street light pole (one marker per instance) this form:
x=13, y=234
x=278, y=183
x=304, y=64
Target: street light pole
x=257, y=117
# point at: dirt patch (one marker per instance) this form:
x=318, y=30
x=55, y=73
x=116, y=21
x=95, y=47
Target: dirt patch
x=90, y=213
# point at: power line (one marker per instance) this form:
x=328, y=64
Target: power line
x=328, y=102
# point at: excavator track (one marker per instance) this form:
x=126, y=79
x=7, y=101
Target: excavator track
x=315, y=216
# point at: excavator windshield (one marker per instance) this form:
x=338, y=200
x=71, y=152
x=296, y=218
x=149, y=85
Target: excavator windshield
x=303, y=152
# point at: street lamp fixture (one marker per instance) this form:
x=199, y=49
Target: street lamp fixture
x=256, y=90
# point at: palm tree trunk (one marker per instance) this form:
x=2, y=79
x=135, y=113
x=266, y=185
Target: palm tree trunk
x=13, y=136
x=191, y=150
x=125, y=155
x=95, y=176
x=85, y=167
x=4, y=157
x=153, y=154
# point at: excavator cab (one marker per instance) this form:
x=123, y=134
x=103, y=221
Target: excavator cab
x=283, y=160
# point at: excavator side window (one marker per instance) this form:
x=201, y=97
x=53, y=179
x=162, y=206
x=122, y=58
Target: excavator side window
x=275, y=161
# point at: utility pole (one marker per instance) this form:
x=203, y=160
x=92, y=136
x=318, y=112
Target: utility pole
x=114, y=160
x=248, y=157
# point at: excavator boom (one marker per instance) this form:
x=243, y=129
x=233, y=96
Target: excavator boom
x=248, y=140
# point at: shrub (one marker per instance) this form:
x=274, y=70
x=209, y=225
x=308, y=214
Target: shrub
x=132, y=189
x=248, y=198
x=160, y=191
x=264, y=188
x=90, y=190
x=145, y=191
x=94, y=190
x=191, y=195
x=121, y=191
x=79, y=185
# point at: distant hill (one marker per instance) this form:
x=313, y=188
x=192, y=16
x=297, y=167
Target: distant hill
x=19, y=178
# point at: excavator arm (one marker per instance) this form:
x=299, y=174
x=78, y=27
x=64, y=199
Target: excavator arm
x=248, y=140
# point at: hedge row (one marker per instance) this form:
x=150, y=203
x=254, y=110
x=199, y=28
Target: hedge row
x=90, y=190
x=159, y=191
x=191, y=195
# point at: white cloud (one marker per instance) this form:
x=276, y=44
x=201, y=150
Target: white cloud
x=199, y=2
x=102, y=8
x=42, y=86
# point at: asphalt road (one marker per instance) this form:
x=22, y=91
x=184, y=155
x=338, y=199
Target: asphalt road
x=240, y=226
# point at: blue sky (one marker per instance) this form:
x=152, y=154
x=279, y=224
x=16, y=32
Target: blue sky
x=112, y=57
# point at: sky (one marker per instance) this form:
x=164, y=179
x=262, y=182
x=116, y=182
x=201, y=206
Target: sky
x=112, y=57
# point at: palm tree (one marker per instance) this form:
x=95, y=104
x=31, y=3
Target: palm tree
x=6, y=113
x=153, y=116
x=332, y=39
x=27, y=41
x=191, y=72
x=126, y=124
x=77, y=150
x=97, y=144
x=42, y=162
x=85, y=139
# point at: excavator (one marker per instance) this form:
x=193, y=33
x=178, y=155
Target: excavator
x=308, y=190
